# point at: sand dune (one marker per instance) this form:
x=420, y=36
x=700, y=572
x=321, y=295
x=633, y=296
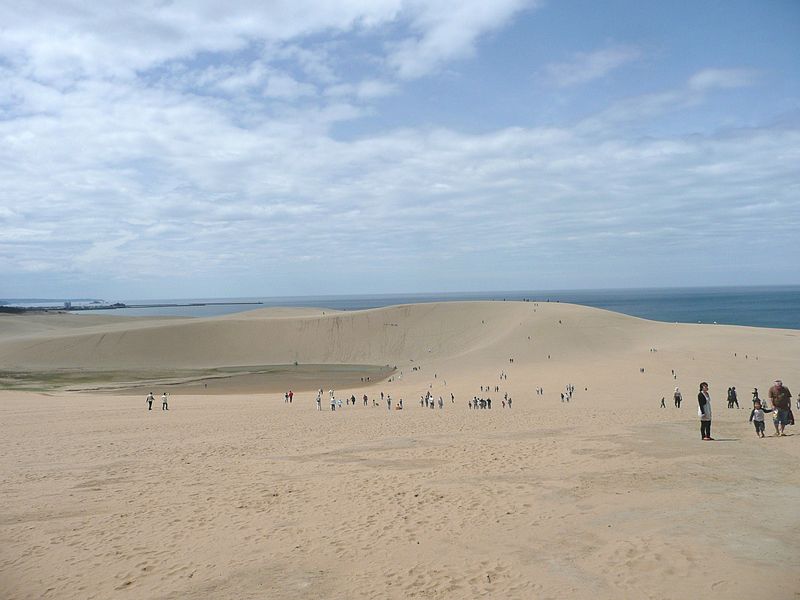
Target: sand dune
x=244, y=496
x=395, y=335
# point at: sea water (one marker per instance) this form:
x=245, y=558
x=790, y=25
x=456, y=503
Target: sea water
x=752, y=306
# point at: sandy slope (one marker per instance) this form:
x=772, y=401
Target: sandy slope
x=483, y=332
x=243, y=496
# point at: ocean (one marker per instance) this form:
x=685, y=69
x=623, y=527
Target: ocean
x=777, y=307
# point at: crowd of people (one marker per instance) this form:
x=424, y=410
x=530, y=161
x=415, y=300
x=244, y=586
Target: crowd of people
x=486, y=403
x=778, y=403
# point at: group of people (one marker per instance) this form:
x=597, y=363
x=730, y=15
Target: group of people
x=479, y=403
x=150, y=399
x=337, y=402
x=486, y=403
x=428, y=401
x=566, y=395
x=779, y=397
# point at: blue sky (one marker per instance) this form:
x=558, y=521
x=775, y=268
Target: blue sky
x=197, y=149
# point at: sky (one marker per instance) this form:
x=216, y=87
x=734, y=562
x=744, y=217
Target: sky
x=173, y=149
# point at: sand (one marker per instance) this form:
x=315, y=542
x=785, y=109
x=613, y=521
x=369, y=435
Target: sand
x=240, y=495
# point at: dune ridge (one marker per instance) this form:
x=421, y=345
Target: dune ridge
x=393, y=335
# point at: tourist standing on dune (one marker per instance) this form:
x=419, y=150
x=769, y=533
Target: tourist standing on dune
x=150, y=398
x=781, y=399
x=678, y=398
x=704, y=412
x=164, y=405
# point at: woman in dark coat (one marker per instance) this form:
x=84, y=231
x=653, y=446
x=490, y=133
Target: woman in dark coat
x=704, y=412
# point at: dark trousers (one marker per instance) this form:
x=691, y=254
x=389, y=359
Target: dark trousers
x=705, y=429
x=759, y=425
x=149, y=405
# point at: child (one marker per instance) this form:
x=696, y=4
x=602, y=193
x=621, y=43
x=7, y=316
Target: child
x=757, y=417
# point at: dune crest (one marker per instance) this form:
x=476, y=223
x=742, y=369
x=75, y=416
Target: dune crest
x=393, y=335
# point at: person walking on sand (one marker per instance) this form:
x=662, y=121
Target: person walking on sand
x=678, y=398
x=164, y=405
x=663, y=404
x=319, y=401
x=734, y=398
x=781, y=399
x=704, y=412
x=757, y=418
x=150, y=398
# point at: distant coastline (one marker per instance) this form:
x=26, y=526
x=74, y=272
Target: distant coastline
x=774, y=306
x=66, y=306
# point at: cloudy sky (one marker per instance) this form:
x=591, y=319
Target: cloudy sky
x=193, y=149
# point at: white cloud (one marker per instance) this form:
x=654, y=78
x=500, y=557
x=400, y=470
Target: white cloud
x=649, y=106
x=447, y=30
x=586, y=67
x=710, y=79
x=57, y=42
x=179, y=140
x=367, y=89
x=158, y=183
x=281, y=85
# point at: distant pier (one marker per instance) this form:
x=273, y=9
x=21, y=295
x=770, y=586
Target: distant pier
x=68, y=307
